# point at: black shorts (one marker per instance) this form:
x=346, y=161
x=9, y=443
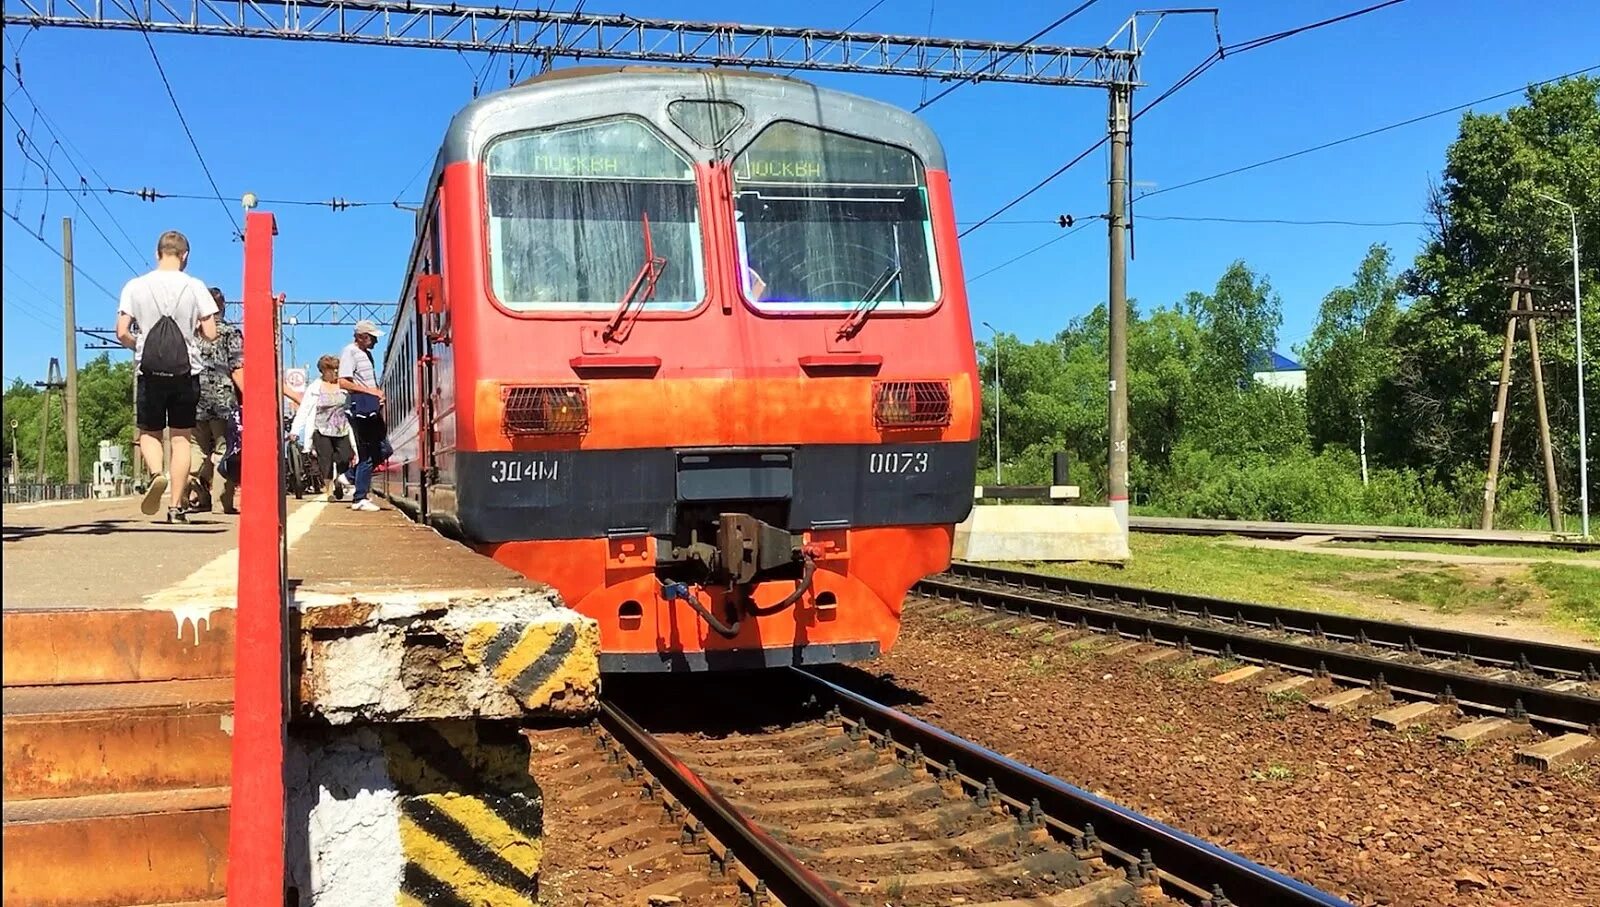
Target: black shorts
x=167, y=401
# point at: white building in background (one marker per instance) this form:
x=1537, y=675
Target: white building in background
x=108, y=475
x=1279, y=371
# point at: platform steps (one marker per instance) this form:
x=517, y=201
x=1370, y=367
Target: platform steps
x=117, y=730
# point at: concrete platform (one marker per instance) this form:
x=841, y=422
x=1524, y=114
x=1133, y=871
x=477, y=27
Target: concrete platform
x=1021, y=532
x=97, y=593
x=398, y=623
x=118, y=663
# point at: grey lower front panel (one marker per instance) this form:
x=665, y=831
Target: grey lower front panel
x=736, y=659
x=578, y=494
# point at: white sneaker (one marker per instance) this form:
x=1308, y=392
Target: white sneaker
x=365, y=506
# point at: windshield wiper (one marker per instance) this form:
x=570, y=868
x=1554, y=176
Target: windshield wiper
x=863, y=309
x=642, y=290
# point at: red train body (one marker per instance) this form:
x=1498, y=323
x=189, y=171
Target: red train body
x=692, y=347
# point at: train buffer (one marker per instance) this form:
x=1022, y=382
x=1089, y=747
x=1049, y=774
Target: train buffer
x=410, y=661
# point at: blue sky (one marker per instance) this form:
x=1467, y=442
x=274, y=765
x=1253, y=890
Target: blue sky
x=319, y=121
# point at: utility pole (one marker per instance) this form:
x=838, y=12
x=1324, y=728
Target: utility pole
x=52, y=381
x=1497, y=422
x=1522, y=307
x=1552, y=493
x=996, y=401
x=74, y=475
x=1117, y=337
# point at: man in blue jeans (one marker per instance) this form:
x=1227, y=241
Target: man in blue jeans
x=358, y=374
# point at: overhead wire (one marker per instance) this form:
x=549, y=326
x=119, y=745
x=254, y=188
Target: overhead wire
x=853, y=23
x=481, y=74
x=1215, y=57
x=22, y=133
x=57, y=252
x=16, y=305
x=977, y=76
x=1039, y=248
x=1287, y=221
x=152, y=195
x=182, y=121
x=80, y=164
x=931, y=4
x=42, y=314
x=1369, y=133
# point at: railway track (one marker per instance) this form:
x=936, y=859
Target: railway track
x=799, y=791
x=1556, y=688
x=1348, y=533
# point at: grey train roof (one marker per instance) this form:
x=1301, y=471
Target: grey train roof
x=582, y=93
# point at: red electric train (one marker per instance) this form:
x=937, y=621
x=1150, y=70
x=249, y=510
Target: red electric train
x=692, y=347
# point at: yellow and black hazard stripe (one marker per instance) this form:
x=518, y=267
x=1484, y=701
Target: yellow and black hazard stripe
x=463, y=849
x=471, y=818
x=458, y=756
x=535, y=660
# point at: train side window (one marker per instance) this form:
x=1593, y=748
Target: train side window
x=824, y=219
x=568, y=212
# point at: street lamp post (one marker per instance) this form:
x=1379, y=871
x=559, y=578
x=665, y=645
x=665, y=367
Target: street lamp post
x=996, y=401
x=1577, y=314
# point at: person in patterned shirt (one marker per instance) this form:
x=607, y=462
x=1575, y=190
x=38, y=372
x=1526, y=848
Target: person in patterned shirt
x=221, y=380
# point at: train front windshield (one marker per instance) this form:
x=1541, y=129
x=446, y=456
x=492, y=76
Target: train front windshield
x=568, y=213
x=824, y=219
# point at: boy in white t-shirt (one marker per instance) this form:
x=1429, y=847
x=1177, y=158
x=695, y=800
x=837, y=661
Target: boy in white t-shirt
x=172, y=311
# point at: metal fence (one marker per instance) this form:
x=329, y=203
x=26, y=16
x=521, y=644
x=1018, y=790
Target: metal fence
x=32, y=492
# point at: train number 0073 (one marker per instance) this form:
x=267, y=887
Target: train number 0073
x=897, y=463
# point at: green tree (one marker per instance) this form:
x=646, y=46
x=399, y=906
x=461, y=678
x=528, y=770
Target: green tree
x=1490, y=220
x=105, y=413
x=1350, y=353
x=1240, y=320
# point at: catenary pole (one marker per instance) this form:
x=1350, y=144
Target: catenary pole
x=1577, y=314
x=1117, y=337
x=996, y=401
x=69, y=313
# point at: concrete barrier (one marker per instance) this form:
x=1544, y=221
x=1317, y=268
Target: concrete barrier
x=1032, y=533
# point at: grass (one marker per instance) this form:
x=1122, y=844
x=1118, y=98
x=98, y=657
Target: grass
x=1285, y=697
x=1564, y=594
x=1574, y=595
x=1448, y=592
x=1275, y=771
x=1481, y=550
x=1208, y=567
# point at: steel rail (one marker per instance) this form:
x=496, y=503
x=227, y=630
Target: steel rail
x=1179, y=856
x=1351, y=533
x=1548, y=709
x=787, y=879
x=1573, y=661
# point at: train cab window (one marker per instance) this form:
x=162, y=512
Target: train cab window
x=568, y=213
x=825, y=221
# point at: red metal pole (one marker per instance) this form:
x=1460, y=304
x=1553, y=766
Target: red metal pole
x=256, y=818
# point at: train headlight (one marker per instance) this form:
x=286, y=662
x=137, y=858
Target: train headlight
x=545, y=409
x=911, y=404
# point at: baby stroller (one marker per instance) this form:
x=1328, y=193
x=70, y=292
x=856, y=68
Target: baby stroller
x=227, y=466
x=302, y=474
